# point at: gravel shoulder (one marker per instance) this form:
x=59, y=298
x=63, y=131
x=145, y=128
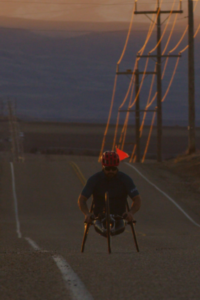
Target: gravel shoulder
x=180, y=177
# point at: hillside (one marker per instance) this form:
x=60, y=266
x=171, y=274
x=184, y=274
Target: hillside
x=68, y=74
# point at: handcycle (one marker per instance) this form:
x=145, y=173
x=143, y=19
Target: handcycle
x=109, y=225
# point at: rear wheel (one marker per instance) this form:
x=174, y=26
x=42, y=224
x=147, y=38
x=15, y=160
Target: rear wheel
x=108, y=220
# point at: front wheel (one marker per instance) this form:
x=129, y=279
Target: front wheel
x=108, y=220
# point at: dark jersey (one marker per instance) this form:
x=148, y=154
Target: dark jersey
x=119, y=188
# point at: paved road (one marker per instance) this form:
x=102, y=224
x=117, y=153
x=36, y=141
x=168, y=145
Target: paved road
x=168, y=266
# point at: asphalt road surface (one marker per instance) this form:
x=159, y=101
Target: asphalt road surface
x=42, y=229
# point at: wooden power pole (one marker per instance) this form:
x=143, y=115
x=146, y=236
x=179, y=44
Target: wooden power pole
x=159, y=89
x=158, y=72
x=137, y=110
x=191, y=81
x=137, y=115
x=159, y=56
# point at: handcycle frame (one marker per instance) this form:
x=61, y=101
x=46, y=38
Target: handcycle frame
x=108, y=221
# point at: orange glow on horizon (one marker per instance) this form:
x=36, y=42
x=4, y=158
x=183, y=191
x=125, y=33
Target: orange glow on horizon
x=82, y=10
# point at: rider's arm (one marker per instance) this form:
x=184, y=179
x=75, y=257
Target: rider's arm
x=84, y=208
x=136, y=204
x=85, y=195
x=134, y=195
x=83, y=205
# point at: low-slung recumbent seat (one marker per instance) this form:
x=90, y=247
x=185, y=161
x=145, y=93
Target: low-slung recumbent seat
x=109, y=225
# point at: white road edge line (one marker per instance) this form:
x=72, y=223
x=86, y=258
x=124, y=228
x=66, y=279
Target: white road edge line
x=168, y=197
x=77, y=289
x=15, y=202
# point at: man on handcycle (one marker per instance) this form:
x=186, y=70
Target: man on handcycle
x=119, y=186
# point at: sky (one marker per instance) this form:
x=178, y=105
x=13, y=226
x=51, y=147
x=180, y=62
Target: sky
x=84, y=10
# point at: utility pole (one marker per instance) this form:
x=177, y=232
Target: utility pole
x=159, y=71
x=191, y=80
x=137, y=115
x=159, y=89
x=137, y=110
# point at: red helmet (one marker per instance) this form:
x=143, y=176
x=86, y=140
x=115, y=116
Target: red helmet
x=110, y=159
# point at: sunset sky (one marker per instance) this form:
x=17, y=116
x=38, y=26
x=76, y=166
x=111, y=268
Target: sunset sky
x=83, y=10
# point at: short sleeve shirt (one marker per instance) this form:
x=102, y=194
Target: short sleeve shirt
x=119, y=188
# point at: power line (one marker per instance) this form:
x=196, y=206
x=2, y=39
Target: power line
x=124, y=129
x=127, y=39
x=109, y=116
x=149, y=137
x=159, y=80
x=168, y=85
x=158, y=43
x=149, y=103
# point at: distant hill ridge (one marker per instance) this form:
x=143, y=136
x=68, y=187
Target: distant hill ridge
x=79, y=26
x=69, y=77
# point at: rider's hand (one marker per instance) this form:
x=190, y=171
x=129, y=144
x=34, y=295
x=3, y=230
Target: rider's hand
x=88, y=218
x=128, y=216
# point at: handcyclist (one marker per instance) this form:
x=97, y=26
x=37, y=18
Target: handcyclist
x=118, y=185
